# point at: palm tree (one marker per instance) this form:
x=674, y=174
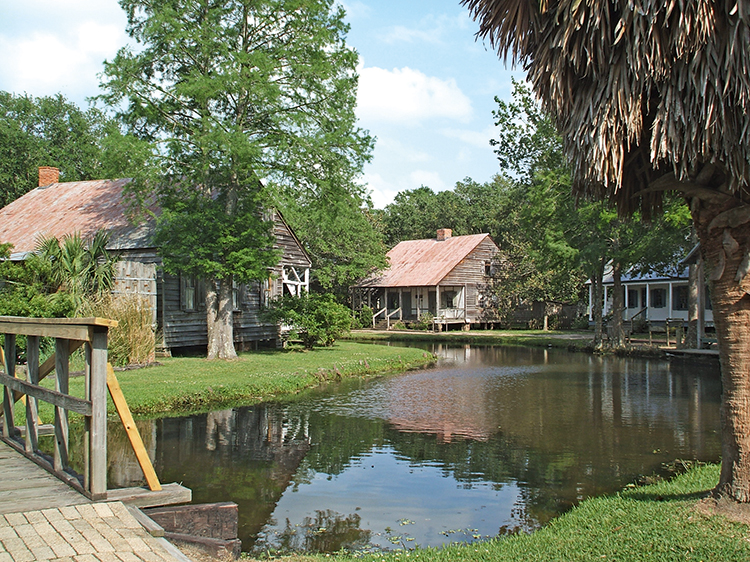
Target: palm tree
x=84, y=269
x=654, y=96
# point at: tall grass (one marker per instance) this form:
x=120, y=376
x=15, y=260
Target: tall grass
x=133, y=341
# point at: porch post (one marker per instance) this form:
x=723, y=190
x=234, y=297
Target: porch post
x=400, y=304
x=437, y=301
x=701, y=305
x=671, y=299
x=647, y=304
x=591, y=302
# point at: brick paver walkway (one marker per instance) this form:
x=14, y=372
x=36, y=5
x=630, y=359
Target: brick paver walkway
x=97, y=532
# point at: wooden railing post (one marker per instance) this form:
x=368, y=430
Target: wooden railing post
x=9, y=425
x=32, y=412
x=62, y=356
x=98, y=397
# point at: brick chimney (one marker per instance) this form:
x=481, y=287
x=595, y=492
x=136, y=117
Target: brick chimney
x=443, y=234
x=48, y=175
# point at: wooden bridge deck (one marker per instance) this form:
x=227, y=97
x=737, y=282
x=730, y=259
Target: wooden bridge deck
x=24, y=486
x=42, y=518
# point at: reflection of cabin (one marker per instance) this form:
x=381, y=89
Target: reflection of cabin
x=652, y=297
x=177, y=302
x=442, y=276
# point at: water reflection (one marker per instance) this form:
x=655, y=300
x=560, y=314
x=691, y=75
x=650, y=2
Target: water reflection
x=492, y=440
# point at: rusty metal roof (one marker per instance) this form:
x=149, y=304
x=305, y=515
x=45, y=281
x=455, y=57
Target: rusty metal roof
x=66, y=208
x=424, y=263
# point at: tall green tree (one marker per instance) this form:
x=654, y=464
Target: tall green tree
x=568, y=235
x=48, y=131
x=229, y=93
x=340, y=235
x=653, y=97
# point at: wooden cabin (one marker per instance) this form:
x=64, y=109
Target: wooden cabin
x=445, y=277
x=653, y=298
x=177, y=301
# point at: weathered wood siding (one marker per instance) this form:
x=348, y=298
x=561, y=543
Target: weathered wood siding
x=140, y=272
x=136, y=274
x=470, y=272
x=293, y=253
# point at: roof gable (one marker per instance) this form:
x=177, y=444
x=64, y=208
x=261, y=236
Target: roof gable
x=425, y=263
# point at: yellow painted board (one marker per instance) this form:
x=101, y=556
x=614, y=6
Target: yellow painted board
x=129, y=424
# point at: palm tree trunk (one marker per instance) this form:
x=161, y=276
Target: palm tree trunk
x=731, y=308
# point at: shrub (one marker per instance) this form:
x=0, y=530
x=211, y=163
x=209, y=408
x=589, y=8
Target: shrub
x=133, y=341
x=317, y=320
x=425, y=322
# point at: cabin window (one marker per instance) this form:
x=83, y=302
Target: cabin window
x=188, y=293
x=236, y=295
x=658, y=298
x=488, y=269
x=680, y=297
x=633, y=298
x=448, y=299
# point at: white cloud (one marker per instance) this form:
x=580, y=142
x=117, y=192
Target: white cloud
x=355, y=9
x=381, y=191
x=391, y=149
x=427, y=178
x=479, y=139
x=49, y=47
x=431, y=29
x=407, y=95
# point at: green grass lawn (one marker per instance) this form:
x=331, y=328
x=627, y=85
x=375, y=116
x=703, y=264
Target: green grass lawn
x=190, y=384
x=655, y=523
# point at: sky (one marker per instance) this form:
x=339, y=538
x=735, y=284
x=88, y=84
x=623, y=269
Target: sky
x=426, y=86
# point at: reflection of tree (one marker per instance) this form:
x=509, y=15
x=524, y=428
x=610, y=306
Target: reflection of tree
x=328, y=531
x=246, y=455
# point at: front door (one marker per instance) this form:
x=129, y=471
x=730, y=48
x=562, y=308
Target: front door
x=406, y=304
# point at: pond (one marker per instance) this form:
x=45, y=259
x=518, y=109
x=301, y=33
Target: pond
x=493, y=440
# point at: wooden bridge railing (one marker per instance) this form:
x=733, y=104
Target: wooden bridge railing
x=69, y=334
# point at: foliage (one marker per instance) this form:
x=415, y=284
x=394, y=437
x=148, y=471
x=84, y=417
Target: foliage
x=133, y=341
x=229, y=93
x=318, y=320
x=52, y=131
x=362, y=318
x=26, y=289
x=425, y=322
x=339, y=233
x=82, y=269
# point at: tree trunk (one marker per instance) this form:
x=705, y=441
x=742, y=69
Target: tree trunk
x=212, y=312
x=618, y=304
x=691, y=338
x=221, y=330
x=731, y=308
x=695, y=285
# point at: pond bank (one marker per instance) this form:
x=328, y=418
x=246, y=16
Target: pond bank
x=183, y=385
x=571, y=341
x=667, y=521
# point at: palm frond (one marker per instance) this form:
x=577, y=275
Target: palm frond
x=638, y=89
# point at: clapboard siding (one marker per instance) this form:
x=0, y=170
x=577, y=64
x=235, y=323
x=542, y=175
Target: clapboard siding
x=293, y=253
x=470, y=273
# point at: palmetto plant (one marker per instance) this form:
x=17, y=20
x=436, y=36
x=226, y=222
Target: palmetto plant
x=85, y=269
x=652, y=96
